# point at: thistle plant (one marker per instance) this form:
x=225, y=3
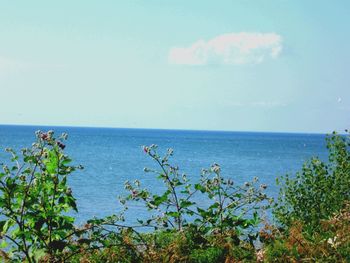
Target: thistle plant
x=224, y=205
x=35, y=200
x=231, y=207
x=170, y=207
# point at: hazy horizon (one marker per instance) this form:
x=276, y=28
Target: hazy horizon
x=168, y=129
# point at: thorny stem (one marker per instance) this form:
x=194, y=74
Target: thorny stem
x=178, y=208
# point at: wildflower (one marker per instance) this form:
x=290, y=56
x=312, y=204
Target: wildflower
x=61, y=145
x=64, y=136
x=137, y=183
x=216, y=168
x=260, y=255
x=333, y=241
x=146, y=149
x=134, y=193
x=87, y=226
x=44, y=136
x=263, y=186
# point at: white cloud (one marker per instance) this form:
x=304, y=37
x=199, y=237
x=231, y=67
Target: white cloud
x=229, y=49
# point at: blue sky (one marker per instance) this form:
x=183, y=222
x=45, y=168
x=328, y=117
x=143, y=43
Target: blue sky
x=212, y=65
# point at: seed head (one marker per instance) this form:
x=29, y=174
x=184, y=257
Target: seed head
x=263, y=186
x=61, y=145
x=216, y=168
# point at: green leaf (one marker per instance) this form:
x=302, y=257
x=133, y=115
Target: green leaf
x=38, y=254
x=2, y=223
x=7, y=225
x=3, y=244
x=66, y=161
x=185, y=203
x=173, y=214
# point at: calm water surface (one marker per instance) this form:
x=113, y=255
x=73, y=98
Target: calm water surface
x=112, y=156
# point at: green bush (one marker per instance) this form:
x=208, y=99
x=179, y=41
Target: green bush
x=34, y=204
x=330, y=244
x=319, y=190
x=35, y=199
x=208, y=255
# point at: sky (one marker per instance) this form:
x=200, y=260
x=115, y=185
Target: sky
x=280, y=66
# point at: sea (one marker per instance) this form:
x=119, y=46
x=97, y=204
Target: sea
x=111, y=156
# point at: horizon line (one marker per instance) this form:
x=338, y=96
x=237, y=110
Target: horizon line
x=168, y=129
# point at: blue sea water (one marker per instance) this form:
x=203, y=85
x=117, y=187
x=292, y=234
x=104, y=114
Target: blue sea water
x=112, y=156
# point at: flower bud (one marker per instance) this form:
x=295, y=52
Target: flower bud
x=61, y=145
x=134, y=193
x=64, y=136
x=216, y=168
x=146, y=149
x=137, y=183
x=69, y=191
x=263, y=186
x=44, y=136
x=6, y=169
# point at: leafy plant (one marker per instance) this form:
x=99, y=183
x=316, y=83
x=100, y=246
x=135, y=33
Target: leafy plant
x=319, y=189
x=35, y=200
x=330, y=244
x=173, y=204
x=225, y=207
x=231, y=207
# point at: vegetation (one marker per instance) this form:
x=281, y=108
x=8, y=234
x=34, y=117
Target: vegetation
x=312, y=213
x=319, y=190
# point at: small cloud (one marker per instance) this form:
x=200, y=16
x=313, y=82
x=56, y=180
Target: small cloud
x=229, y=49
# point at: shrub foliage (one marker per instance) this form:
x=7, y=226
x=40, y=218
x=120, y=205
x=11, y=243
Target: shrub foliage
x=319, y=190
